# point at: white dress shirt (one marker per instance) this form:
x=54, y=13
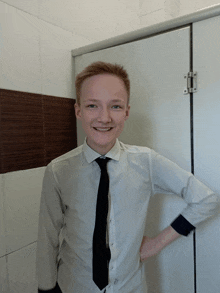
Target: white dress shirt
x=68, y=202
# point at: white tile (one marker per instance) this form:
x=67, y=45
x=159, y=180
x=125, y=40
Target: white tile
x=2, y=220
x=188, y=6
x=153, y=12
x=96, y=20
x=4, y=288
x=56, y=60
x=25, y=5
x=172, y=8
x=20, y=58
x=153, y=17
x=35, y=56
x=147, y=7
x=22, y=203
x=2, y=9
x=22, y=270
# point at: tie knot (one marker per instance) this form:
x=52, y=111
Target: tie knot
x=102, y=162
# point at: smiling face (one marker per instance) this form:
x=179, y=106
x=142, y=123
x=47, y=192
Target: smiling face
x=103, y=110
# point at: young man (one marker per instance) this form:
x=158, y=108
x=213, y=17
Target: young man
x=70, y=202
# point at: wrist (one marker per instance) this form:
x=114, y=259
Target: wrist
x=166, y=237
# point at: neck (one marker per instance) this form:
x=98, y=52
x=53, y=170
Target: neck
x=101, y=150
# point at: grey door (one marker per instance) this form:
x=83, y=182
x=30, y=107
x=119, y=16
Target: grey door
x=206, y=56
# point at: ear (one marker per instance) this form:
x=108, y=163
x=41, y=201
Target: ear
x=127, y=112
x=77, y=111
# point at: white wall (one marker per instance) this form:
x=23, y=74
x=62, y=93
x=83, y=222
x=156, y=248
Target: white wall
x=36, y=39
x=152, y=12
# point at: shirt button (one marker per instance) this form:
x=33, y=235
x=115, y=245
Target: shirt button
x=112, y=244
x=112, y=268
x=116, y=281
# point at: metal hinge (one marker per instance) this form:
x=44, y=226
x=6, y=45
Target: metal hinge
x=191, y=78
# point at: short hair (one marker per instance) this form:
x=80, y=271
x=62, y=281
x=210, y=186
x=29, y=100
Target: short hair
x=101, y=68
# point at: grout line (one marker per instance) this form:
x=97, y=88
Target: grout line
x=4, y=208
x=19, y=248
x=4, y=223
x=7, y=272
x=140, y=15
x=34, y=15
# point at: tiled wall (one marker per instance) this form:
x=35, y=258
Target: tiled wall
x=37, y=124
x=21, y=198
x=34, y=129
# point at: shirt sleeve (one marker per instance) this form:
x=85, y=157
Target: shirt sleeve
x=202, y=202
x=49, y=227
x=56, y=289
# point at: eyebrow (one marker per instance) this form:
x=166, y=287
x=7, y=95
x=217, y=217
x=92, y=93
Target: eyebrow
x=94, y=100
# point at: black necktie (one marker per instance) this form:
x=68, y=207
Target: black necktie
x=101, y=253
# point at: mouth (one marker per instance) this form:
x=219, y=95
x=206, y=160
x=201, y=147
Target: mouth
x=103, y=129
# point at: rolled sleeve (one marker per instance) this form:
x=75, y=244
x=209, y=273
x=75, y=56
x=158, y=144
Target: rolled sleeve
x=182, y=226
x=56, y=289
x=201, y=201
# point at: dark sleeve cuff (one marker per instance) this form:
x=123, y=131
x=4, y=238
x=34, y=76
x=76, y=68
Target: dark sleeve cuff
x=54, y=290
x=182, y=226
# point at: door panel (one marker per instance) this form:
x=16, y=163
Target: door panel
x=159, y=119
x=206, y=59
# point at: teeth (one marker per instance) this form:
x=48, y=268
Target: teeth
x=102, y=129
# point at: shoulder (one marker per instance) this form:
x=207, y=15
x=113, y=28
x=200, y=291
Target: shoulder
x=134, y=149
x=68, y=158
x=63, y=167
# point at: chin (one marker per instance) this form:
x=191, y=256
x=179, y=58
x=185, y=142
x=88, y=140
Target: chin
x=103, y=143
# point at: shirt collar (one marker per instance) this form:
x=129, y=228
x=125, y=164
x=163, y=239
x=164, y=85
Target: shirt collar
x=92, y=155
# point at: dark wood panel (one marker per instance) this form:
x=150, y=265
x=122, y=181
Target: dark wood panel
x=34, y=129
x=21, y=131
x=59, y=126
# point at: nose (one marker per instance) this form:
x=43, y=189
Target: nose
x=104, y=115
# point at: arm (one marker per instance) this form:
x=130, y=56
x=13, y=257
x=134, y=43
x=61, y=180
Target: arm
x=169, y=178
x=49, y=226
x=202, y=203
x=152, y=246
x=54, y=290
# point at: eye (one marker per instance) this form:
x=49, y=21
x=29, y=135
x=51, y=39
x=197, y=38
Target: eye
x=117, y=107
x=91, y=106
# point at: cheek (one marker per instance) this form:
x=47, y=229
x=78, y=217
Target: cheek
x=120, y=124
x=87, y=117
x=120, y=120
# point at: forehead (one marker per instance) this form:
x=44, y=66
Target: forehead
x=103, y=82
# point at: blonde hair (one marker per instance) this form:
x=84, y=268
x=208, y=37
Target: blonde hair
x=101, y=68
